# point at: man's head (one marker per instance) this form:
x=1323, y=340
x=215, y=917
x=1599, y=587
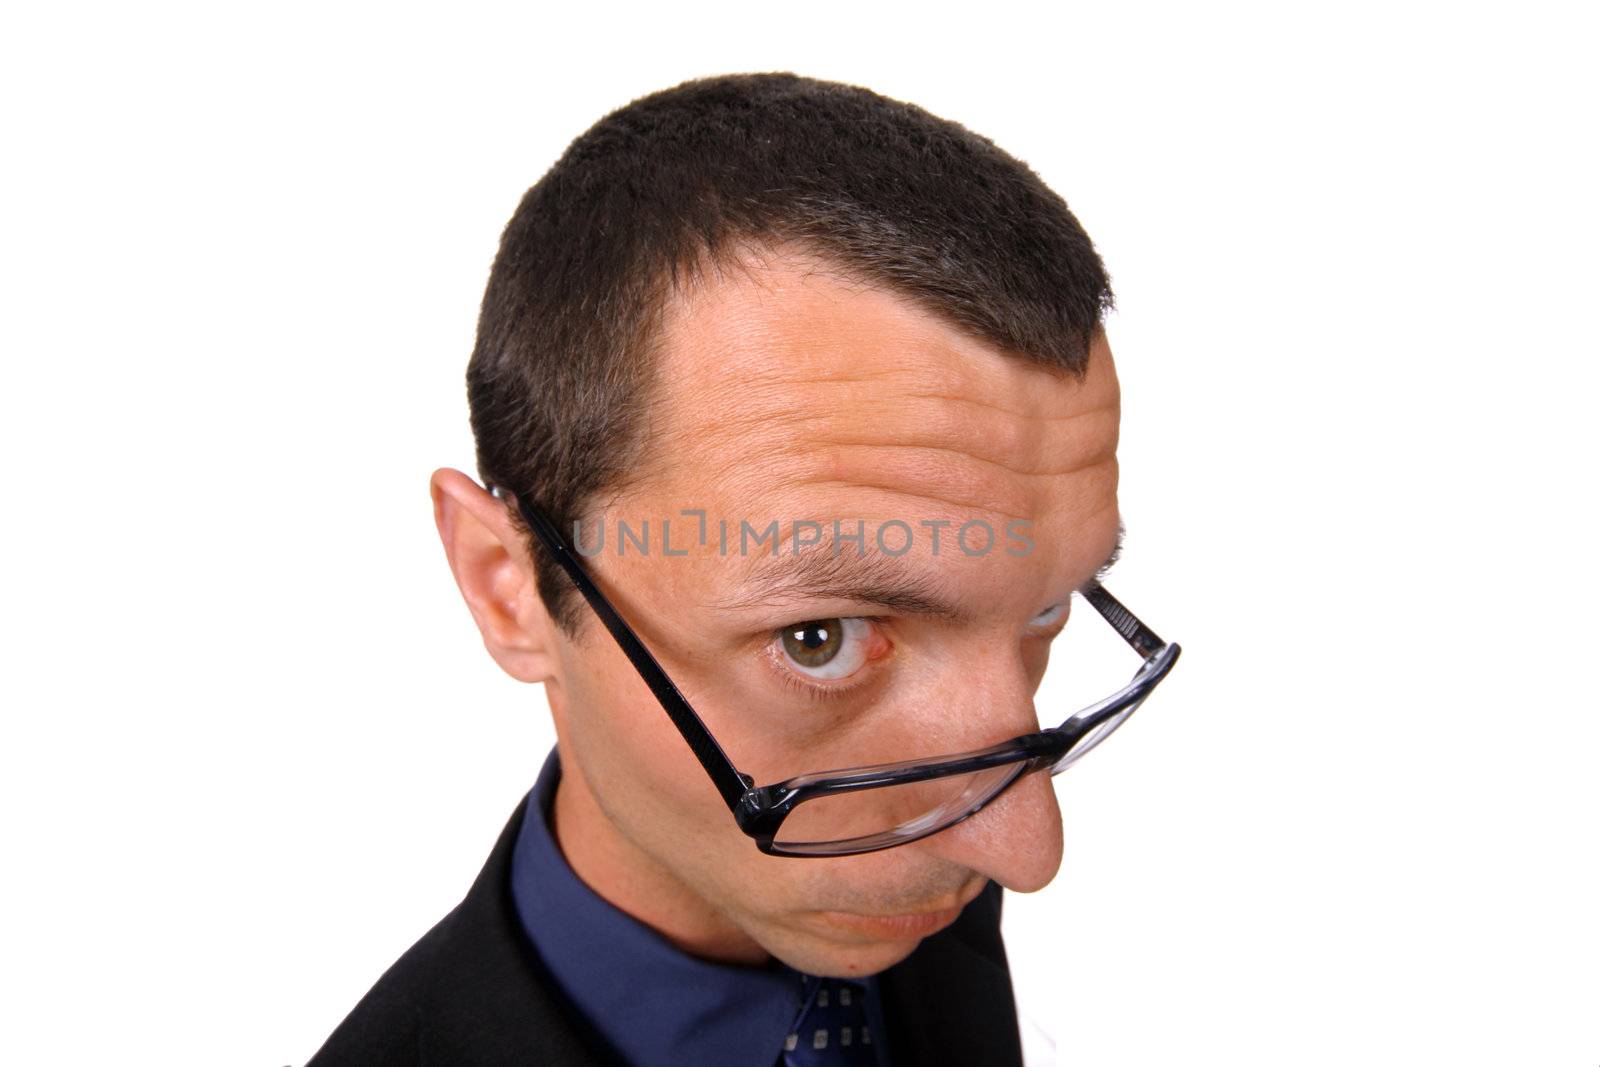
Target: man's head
x=776, y=299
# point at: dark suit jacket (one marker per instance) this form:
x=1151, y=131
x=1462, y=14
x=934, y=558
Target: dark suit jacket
x=472, y=993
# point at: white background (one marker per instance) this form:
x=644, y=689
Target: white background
x=253, y=747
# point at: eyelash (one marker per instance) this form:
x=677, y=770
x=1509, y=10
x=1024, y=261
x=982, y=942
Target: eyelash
x=823, y=694
x=820, y=694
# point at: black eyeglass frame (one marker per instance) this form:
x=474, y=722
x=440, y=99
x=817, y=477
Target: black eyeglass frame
x=760, y=810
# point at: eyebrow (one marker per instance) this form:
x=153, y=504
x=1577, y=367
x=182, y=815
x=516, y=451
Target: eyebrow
x=1116, y=552
x=818, y=573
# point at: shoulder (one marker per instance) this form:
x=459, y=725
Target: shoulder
x=470, y=993
x=385, y=1027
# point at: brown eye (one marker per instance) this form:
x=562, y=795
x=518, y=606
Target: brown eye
x=814, y=644
x=826, y=648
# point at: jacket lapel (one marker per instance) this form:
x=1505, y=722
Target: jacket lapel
x=950, y=1001
x=495, y=1003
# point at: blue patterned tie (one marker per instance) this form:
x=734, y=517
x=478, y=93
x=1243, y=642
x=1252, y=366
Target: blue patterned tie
x=831, y=1029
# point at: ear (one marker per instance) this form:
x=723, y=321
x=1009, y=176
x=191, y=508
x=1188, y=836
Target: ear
x=495, y=576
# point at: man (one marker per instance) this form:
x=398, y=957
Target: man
x=738, y=315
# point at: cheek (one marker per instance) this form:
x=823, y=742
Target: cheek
x=634, y=758
x=643, y=775
x=1036, y=658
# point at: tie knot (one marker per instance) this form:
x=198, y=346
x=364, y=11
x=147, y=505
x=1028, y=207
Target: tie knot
x=831, y=1027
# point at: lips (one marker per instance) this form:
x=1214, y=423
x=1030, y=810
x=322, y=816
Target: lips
x=904, y=926
x=894, y=927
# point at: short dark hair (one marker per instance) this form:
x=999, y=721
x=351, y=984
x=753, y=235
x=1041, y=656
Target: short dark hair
x=560, y=377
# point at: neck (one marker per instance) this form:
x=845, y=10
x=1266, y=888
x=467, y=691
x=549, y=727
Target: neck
x=634, y=882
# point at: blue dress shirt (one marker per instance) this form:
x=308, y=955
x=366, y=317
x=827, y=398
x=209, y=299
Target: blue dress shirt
x=653, y=1002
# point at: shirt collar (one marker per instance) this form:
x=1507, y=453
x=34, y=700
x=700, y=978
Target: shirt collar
x=653, y=1002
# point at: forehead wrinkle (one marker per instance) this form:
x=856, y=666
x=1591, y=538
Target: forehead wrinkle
x=1041, y=430
x=927, y=446
x=900, y=490
x=767, y=489
x=965, y=488
x=1045, y=416
x=750, y=470
x=1071, y=453
x=761, y=394
x=1103, y=456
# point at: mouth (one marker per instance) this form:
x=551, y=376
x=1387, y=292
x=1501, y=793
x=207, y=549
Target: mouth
x=902, y=926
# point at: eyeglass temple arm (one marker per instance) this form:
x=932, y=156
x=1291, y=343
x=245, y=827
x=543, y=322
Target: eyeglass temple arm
x=1141, y=637
x=729, y=782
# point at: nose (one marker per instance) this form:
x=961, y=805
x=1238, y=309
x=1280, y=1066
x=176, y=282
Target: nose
x=1016, y=838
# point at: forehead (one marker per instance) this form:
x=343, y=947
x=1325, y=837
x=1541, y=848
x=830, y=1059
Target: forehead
x=788, y=390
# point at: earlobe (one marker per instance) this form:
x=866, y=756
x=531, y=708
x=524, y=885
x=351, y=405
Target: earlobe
x=491, y=568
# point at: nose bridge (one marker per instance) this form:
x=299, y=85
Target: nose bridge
x=988, y=692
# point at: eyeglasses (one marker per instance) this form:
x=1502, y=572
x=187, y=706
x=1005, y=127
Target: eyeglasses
x=868, y=808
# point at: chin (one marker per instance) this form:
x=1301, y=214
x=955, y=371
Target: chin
x=836, y=959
